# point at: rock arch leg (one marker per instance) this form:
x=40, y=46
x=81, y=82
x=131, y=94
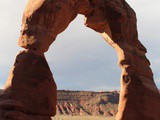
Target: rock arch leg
x=139, y=96
x=30, y=91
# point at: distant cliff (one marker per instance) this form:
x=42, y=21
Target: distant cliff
x=84, y=103
x=87, y=103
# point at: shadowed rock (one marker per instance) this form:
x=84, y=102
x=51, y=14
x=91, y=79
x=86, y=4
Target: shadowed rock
x=30, y=84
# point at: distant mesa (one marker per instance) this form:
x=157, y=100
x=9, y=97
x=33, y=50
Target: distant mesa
x=84, y=103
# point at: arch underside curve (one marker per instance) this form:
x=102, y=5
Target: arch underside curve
x=115, y=21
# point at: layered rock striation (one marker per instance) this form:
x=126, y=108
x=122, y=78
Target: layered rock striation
x=87, y=103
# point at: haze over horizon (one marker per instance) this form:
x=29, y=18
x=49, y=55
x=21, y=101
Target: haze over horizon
x=79, y=58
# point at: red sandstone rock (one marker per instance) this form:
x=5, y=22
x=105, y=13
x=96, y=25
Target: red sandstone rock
x=30, y=82
x=15, y=115
x=115, y=20
x=43, y=20
x=12, y=105
x=87, y=103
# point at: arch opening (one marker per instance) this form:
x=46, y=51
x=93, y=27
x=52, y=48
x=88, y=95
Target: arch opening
x=81, y=60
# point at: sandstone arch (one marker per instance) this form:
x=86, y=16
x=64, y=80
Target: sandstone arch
x=30, y=76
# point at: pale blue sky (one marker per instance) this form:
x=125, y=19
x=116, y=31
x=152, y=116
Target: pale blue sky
x=80, y=59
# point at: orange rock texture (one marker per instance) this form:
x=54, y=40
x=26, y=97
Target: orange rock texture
x=30, y=85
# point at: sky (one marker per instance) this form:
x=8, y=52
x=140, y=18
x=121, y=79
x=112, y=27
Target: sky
x=79, y=58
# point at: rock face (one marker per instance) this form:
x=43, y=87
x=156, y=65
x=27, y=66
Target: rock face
x=30, y=88
x=87, y=103
x=115, y=20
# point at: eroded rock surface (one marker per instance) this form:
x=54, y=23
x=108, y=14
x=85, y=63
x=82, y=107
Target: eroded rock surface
x=30, y=84
x=87, y=103
x=115, y=20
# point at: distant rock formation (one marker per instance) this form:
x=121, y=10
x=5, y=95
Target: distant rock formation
x=85, y=103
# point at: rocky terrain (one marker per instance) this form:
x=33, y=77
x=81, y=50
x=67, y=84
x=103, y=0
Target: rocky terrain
x=87, y=103
x=83, y=103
